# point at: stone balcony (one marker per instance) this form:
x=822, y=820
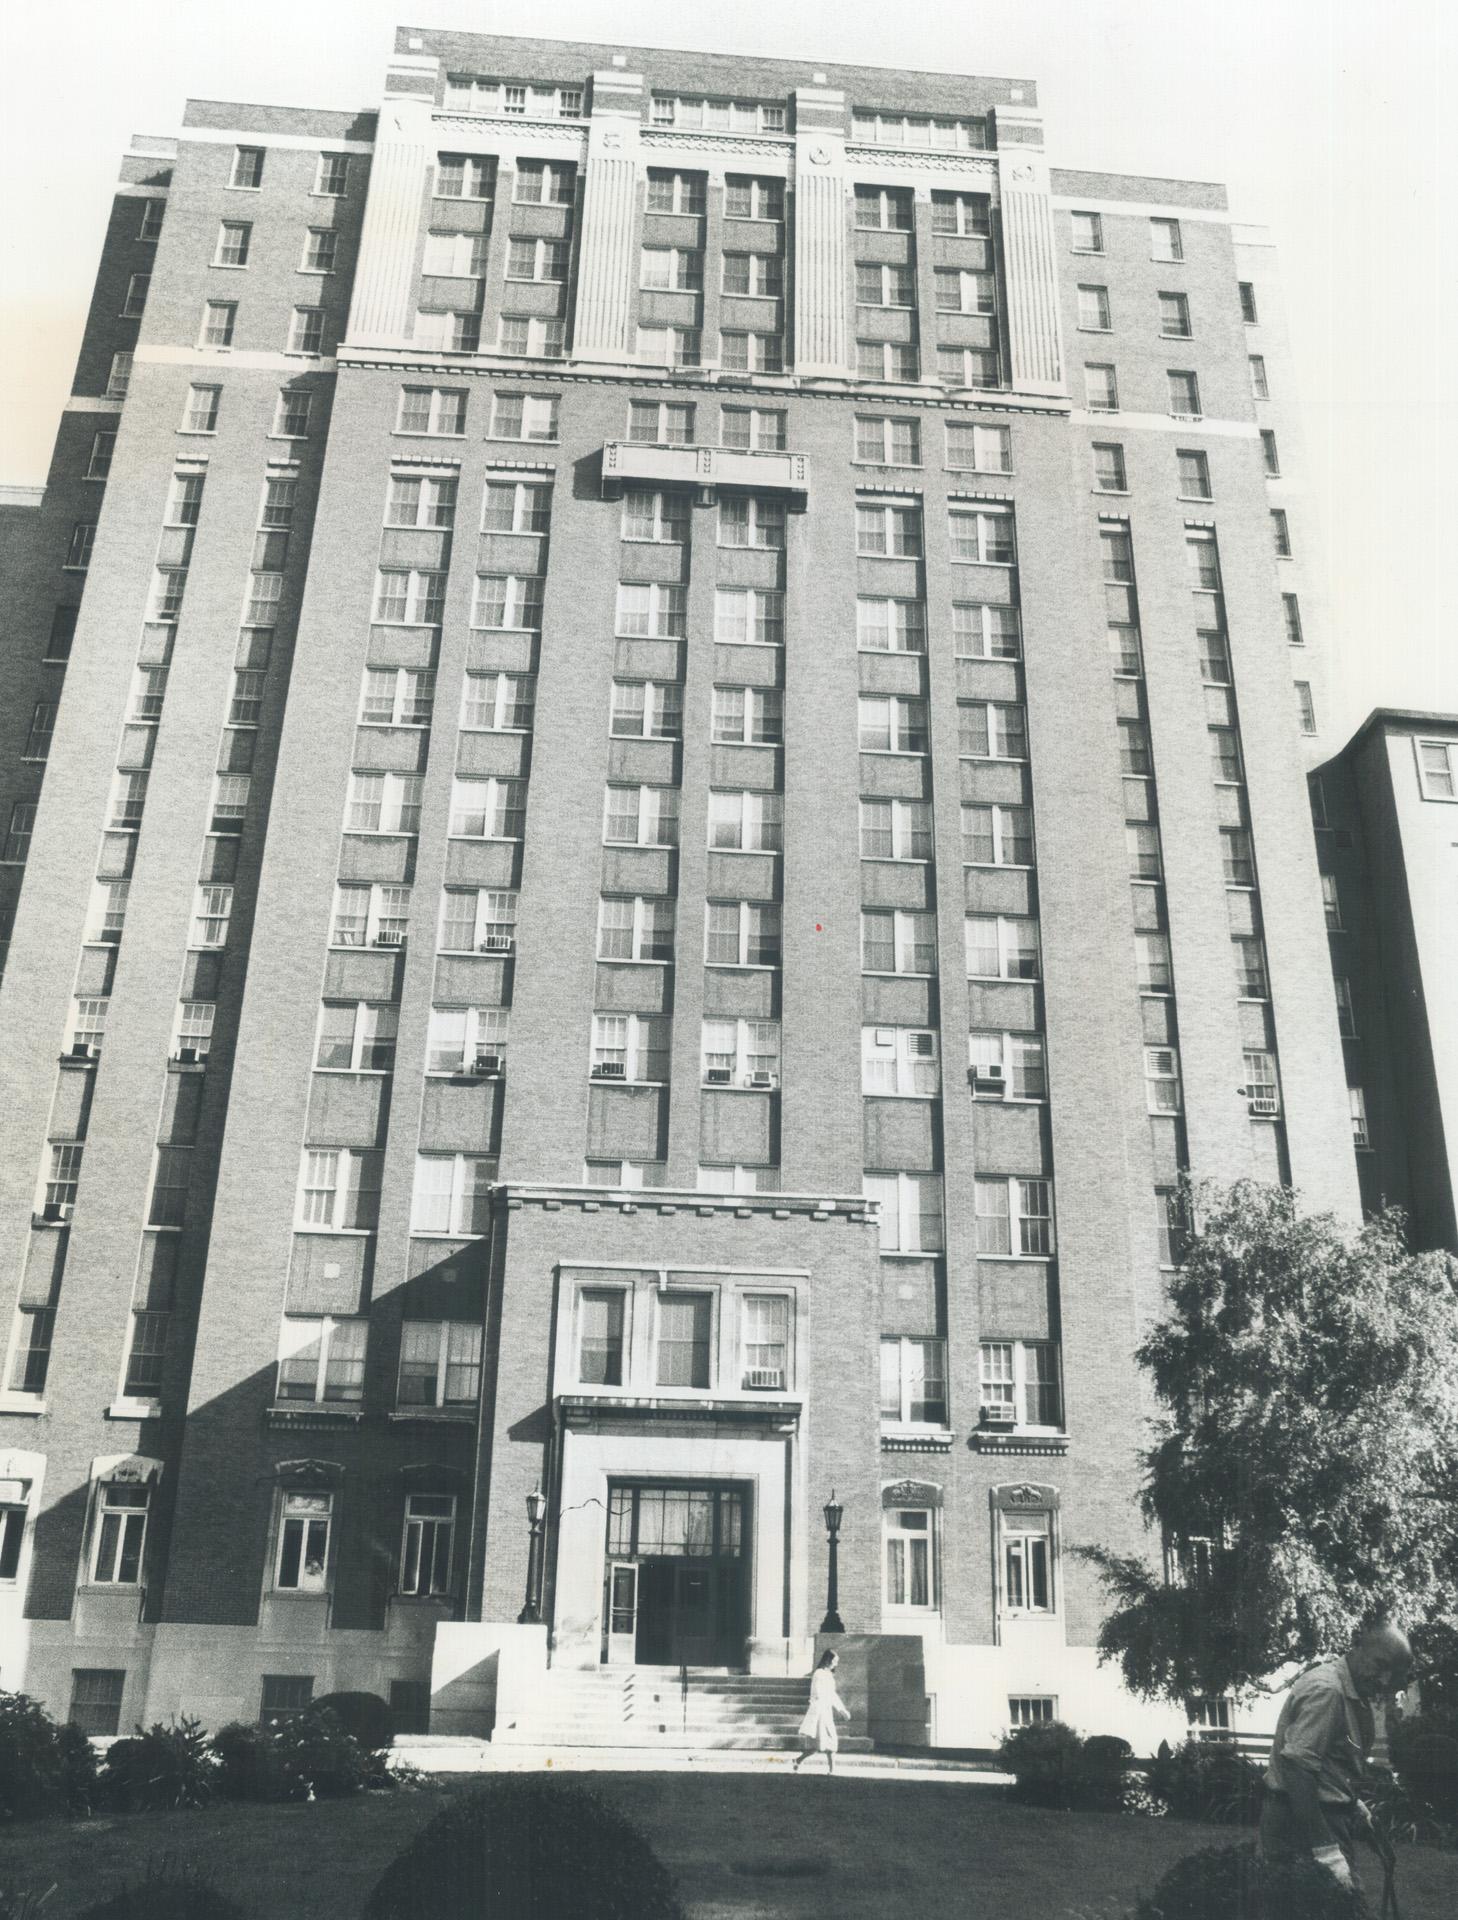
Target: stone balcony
x=631, y=463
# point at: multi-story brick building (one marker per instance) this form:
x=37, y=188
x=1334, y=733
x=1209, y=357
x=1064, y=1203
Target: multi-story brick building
x=673, y=803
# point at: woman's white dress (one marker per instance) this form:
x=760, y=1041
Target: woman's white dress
x=819, y=1726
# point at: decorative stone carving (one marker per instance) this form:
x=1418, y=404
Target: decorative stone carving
x=1034, y=333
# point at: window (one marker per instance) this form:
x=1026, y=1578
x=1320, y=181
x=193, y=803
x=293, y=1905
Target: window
x=739, y=933
x=601, y=1313
x=1027, y=1558
x=750, y=716
x=1437, y=770
x=120, y=376
x=1162, y=1080
x=985, y=632
x=31, y=1356
x=1238, y=857
x=370, y=916
x=1262, y=1085
x=462, y=1037
x=136, y=296
x=460, y=256
x=493, y=809
x=12, y=1539
x=169, y=1187
x=195, y=1028
x=64, y=1177
x=1015, y=1217
x=754, y=274
x=427, y=1548
x=1194, y=474
x=383, y=803
x=743, y=616
x=302, y=1565
x=107, y=913
x=217, y=323
x=979, y=449
x=230, y=802
x=685, y=1329
x=884, y=207
x=96, y=1700
x=1357, y=1101
x=83, y=539
x=1165, y=241
x=452, y=1194
x=908, y=1535
x=914, y=1382
x=1152, y=963
x=890, y=723
x=887, y=360
x=1269, y=455
x=550, y=183
x=460, y=176
x=16, y=846
x=499, y=702
x=740, y=1053
x=917, y=130
x=890, y=624
x=458, y=332
x=660, y=516
x=120, y=1533
x=641, y=817
x=896, y=830
x=635, y=929
x=1202, y=561
x=1259, y=385
x=751, y=199
x=440, y=1363
x=678, y=268
x=1108, y=468
x=420, y=500
x=321, y=249
x=1171, y=1226
x=1184, y=395
x=996, y=836
x=898, y=942
x=1100, y=390
x=1247, y=303
x=992, y=730
x=1134, y=752
x=439, y=410
x=969, y=366
x=332, y=175
x=910, y=1207
x=394, y=696
x=1006, y=1066
x=1001, y=947
x=1174, y=316
x=654, y=610
x=886, y=286
x=719, y=1179
x=1093, y=310
x=151, y=223
x=675, y=192
x=751, y=520
x=235, y=237
x=660, y=423
x=529, y=259
x=284, y=1697
x=247, y=167
x=356, y=1037
x=1331, y=902
x=202, y=406
x=184, y=500
x=1305, y=706
x=984, y=536
x=146, y=1355
x=1250, y=967
x=749, y=352
x=291, y=415
x=651, y=710
x=1031, y=1709
x=1281, y=533
x=746, y=822
x=62, y=634
x=477, y=920
x=631, y=1046
x=881, y=441
x=1022, y=1375
x=899, y=1060
x=409, y=596
x=1087, y=232
x=1215, y=667
x=102, y=447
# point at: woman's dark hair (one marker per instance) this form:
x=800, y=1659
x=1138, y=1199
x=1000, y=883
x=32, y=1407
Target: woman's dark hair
x=826, y=1659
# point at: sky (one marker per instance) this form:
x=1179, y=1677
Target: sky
x=1333, y=123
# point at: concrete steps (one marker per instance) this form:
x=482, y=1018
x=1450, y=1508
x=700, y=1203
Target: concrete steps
x=651, y=1707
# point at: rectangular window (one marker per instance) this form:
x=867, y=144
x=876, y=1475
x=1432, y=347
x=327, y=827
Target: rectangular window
x=1006, y=1066
x=291, y=415
x=119, y=379
x=896, y=830
x=887, y=360
x=751, y=520
x=103, y=445
x=743, y=616
x=507, y=601
x=996, y=836
x=1250, y=967
x=440, y=1363
x=898, y=942
x=1281, y=533
x=1184, y=395
x=984, y=536
x=1027, y=1558
x=890, y=723
x=96, y=1700
x=900, y=1061
x=754, y=274
x=685, y=1327
x=680, y=269
x=631, y=1046
x=409, y=597
x=1165, y=240
x=1247, y=303
x=914, y=1382
x=491, y=809
x=881, y=441
x=1087, y=232
x=1094, y=315
x=1305, y=706
x=284, y=1697
x=601, y=1314
x=332, y=175
x=740, y=1053
x=979, y=449
x=749, y=352
x=891, y=626
x=467, y=1039
x=992, y=730
x=635, y=929
x=1259, y=384
x=420, y=500
x=676, y=192
x=1108, y=468
x=751, y=199
x=499, y=702
x=660, y=423
x=428, y=1546
x=146, y=1355
x=306, y=330
x=549, y=183
x=136, y=296
x=217, y=323
x=356, y=1037
x=751, y=716
x=460, y=176
x=434, y=410
x=662, y=517
x=516, y=506
x=477, y=920
x=1021, y=1377
x=653, y=610
x=1269, y=455
x=83, y=539
x=455, y=256
x=31, y=1358
x=302, y=1564
x=1194, y=474
x=1174, y=316
x=247, y=167
x=1357, y=1101
x=321, y=250
x=16, y=846
x=910, y=1209
x=1100, y=390
x=235, y=237
x=1001, y=947
x=64, y=1177
x=746, y=822
x=982, y=631
x=739, y=933
x=1437, y=771
x=120, y=1525
x=108, y=912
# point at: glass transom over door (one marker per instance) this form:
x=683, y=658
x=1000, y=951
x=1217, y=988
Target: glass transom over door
x=676, y=1575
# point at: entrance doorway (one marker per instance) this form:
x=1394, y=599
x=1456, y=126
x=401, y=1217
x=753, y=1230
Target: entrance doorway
x=676, y=1576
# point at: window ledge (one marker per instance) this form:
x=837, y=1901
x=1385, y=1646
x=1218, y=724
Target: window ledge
x=307, y=1414
x=916, y=1439
x=432, y=1416
x=988, y=1440
x=125, y=1408
x=39, y=1224
x=25, y=1404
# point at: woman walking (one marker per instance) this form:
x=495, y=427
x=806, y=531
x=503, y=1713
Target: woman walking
x=818, y=1729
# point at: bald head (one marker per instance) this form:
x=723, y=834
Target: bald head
x=1380, y=1659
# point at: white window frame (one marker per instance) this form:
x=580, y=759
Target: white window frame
x=509, y=698
x=457, y=1193
x=1022, y=1223
x=640, y=1032
x=414, y=499
x=666, y=413
x=751, y=931
x=910, y=821
x=1011, y=1050
x=758, y=611
x=889, y=425
x=459, y=1333
x=893, y=1530
x=906, y=721
x=1004, y=837
x=377, y=911
x=908, y=1057
x=393, y=799
x=551, y=260
x=991, y=449
x=1162, y=1085
x=499, y=800
x=362, y=1037
x=671, y=269
x=211, y=917
x=760, y=707
x=765, y=429
x=544, y=338
x=889, y=528
x=909, y=1353
x=493, y=919
x=521, y=603
x=653, y=816
x=657, y=611
x=435, y=412
x=738, y=1042
x=975, y=289
x=975, y=529
x=338, y=1180
x=125, y=1502
x=641, y=930
x=751, y=520
x=760, y=823
x=413, y=692
x=1427, y=774
x=656, y=706
x=1016, y=1538
x=993, y=639
x=309, y=1511
x=484, y=1030
x=657, y=515
x=910, y=929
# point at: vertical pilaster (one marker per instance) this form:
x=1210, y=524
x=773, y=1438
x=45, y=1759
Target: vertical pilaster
x=605, y=267
x=819, y=343
x=1035, y=341
x=381, y=313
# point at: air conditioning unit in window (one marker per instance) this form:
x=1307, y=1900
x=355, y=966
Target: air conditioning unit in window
x=761, y=1079
x=487, y=1065
x=718, y=1076
x=497, y=943
x=84, y=1050
x=765, y=1379
x=1264, y=1101
x=610, y=1070
x=997, y=1413
x=186, y=1056
x=388, y=940
x=986, y=1079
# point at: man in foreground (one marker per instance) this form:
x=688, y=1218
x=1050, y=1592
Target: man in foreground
x=1323, y=1739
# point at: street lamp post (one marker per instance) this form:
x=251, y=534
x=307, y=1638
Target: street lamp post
x=834, y=1514
x=531, y=1613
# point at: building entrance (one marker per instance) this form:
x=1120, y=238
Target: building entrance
x=676, y=1576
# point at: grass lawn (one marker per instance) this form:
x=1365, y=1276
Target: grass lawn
x=743, y=1846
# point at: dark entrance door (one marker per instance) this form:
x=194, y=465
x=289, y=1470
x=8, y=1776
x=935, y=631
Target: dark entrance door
x=686, y=1544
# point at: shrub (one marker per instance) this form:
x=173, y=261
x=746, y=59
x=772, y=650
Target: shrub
x=1223, y=1882
x=159, y=1770
x=45, y=1769
x=1209, y=1780
x=527, y=1848
x=1103, y=1768
x=363, y=1716
x=168, y=1892
x=1045, y=1761
x=308, y=1755
x=1424, y=1749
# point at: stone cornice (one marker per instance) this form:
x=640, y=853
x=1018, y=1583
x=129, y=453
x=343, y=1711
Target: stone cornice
x=512, y=1196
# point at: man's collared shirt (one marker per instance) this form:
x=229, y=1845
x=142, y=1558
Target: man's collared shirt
x=1327, y=1729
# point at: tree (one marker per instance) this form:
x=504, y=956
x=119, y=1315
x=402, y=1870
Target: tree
x=1304, y=1471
